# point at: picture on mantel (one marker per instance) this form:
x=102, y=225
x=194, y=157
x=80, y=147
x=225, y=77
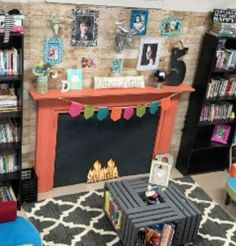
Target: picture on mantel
x=84, y=27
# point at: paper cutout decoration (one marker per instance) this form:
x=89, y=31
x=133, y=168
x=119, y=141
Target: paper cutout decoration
x=116, y=113
x=141, y=110
x=153, y=107
x=75, y=109
x=88, y=111
x=221, y=133
x=128, y=113
x=165, y=103
x=102, y=113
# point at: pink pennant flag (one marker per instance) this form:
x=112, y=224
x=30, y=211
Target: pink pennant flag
x=75, y=109
x=128, y=113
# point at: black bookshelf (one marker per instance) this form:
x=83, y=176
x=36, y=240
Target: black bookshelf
x=197, y=153
x=16, y=81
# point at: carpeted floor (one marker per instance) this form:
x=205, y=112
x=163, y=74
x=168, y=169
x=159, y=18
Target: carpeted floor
x=78, y=219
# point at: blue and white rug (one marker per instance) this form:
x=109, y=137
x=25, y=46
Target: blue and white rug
x=78, y=219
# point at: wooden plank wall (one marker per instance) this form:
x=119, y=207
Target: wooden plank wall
x=36, y=30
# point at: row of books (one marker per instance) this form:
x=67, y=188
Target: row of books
x=220, y=87
x=9, y=61
x=225, y=59
x=112, y=210
x=8, y=162
x=158, y=235
x=9, y=131
x=7, y=194
x=216, y=111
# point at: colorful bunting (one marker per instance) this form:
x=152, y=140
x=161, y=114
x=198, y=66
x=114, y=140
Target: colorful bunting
x=165, y=103
x=128, y=113
x=75, y=109
x=141, y=110
x=88, y=111
x=116, y=113
x=102, y=113
x=153, y=107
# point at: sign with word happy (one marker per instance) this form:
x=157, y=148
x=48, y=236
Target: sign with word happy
x=119, y=82
x=224, y=15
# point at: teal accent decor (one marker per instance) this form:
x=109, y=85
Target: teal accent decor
x=53, y=50
x=171, y=27
x=153, y=107
x=102, y=113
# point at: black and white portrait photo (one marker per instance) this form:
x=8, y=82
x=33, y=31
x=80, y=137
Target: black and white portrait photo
x=148, y=54
x=84, y=27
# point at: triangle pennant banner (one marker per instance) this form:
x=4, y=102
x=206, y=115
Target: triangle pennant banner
x=165, y=103
x=141, y=110
x=116, y=113
x=88, y=111
x=75, y=109
x=128, y=113
x=153, y=107
x=102, y=113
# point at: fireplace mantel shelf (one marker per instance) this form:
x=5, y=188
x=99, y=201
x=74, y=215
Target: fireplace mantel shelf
x=90, y=92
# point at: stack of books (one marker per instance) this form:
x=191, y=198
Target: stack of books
x=224, y=22
x=8, y=98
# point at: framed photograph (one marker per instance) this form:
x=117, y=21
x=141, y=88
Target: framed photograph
x=171, y=27
x=221, y=133
x=74, y=78
x=88, y=62
x=84, y=27
x=159, y=173
x=148, y=54
x=138, y=21
x=53, y=51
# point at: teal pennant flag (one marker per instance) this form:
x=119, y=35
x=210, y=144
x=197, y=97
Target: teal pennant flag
x=88, y=112
x=153, y=107
x=141, y=110
x=102, y=113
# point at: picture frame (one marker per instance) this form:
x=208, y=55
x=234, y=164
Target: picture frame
x=138, y=21
x=84, y=27
x=171, y=27
x=221, y=133
x=117, y=65
x=159, y=173
x=53, y=50
x=74, y=78
x=149, y=50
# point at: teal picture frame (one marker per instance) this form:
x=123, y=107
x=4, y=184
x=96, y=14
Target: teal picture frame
x=53, y=50
x=171, y=27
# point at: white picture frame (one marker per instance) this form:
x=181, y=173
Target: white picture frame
x=149, y=50
x=159, y=173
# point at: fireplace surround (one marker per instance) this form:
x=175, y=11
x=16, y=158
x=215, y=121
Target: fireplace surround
x=55, y=102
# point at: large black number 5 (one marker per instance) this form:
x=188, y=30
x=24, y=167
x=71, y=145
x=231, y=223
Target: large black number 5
x=178, y=67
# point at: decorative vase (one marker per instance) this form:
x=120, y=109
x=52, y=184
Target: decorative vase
x=42, y=84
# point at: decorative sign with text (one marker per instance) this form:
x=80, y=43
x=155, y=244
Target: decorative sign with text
x=224, y=15
x=119, y=82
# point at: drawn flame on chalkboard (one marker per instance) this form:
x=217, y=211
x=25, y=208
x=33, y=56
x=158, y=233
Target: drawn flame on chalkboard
x=99, y=173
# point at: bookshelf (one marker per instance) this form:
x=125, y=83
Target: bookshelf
x=11, y=109
x=212, y=104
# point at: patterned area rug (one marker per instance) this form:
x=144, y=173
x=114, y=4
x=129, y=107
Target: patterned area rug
x=78, y=219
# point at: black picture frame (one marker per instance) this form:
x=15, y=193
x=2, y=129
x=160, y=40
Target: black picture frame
x=89, y=18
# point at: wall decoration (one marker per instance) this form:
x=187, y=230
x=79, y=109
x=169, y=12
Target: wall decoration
x=54, y=23
x=221, y=133
x=148, y=53
x=138, y=21
x=89, y=62
x=84, y=27
x=178, y=67
x=117, y=65
x=119, y=82
x=171, y=27
x=74, y=78
x=53, y=50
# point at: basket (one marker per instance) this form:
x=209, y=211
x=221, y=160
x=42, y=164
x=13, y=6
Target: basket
x=29, y=185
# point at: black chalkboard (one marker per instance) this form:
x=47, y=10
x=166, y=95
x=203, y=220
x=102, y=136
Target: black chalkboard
x=81, y=142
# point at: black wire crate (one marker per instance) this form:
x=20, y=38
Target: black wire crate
x=29, y=182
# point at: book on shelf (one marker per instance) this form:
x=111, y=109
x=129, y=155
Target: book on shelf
x=8, y=162
x=7, y=194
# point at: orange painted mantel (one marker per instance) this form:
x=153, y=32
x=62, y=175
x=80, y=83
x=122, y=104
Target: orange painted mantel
x=51, y=104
